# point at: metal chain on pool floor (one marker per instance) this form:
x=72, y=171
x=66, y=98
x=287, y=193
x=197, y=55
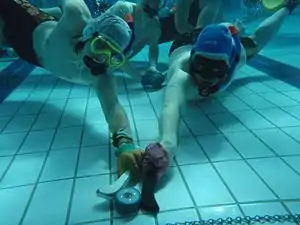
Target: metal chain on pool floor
x=245, y=220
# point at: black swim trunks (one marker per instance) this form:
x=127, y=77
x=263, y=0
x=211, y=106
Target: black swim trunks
x=20, y=20
x=185, y=39
x=168, y=29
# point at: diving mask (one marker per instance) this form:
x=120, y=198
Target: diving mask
x=109, y=53
x=105, y=55
x=207, y=73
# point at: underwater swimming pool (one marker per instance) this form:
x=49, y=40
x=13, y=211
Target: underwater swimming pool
x=239, y=153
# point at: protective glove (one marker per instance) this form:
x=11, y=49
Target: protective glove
x=129, y=156
x=154, y=166
x=156, y=160
x=153, y=79
x=131, y=161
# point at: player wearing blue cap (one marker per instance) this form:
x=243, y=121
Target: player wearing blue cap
x=208, y=66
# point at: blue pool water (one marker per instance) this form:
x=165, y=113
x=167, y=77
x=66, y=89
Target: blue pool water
x=239, y=153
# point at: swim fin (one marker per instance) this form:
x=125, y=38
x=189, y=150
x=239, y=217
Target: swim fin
x=274, y=5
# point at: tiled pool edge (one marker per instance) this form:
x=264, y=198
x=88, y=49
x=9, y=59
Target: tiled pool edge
x=16, y=71
x=278, y=70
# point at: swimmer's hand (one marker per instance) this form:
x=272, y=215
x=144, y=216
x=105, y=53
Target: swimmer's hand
x=131, y=161
x=156, y=161
x=152, y=79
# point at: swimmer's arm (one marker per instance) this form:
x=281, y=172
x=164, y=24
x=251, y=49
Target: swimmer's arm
x=175, y=96
x=74, y=6
x=75, y=16
x=120, y=9
x=115, y=115
x=153, y=53
x=181, y=16
x=129, y=69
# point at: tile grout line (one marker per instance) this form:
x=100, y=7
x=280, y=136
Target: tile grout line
x=276, y=127
x=16, y=113
x=43, y=164
x=111, y=175
x=263, y=64
x=237, y=152
x=72, y=192
x=23, y=141
x=20, y=66
x=157, y=119
x=104, y=174
x=257, y=111
x=222, y=179
x=249, y=165
x=195, y=207
x=137, y=133
x=154, y=111
x=131, y=111
x=29, y=114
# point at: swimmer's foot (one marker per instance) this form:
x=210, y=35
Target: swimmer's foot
x=292, y=5
x=274, y=5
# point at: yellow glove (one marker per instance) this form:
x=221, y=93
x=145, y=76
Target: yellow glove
x=131, y=161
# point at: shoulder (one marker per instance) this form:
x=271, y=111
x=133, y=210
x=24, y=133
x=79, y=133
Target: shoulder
x=74, y=18
x=178, y=70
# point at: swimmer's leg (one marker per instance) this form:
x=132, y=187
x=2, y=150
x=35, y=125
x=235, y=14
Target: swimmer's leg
x=220, y=16
x=270, y=27
x=54, y=11
x=210, y=11
x=267, y=30
x=3, y=42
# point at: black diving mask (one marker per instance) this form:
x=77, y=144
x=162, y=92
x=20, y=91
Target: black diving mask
x=207, y=73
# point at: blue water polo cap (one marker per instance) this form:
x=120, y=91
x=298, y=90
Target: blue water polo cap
x=215, y=42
